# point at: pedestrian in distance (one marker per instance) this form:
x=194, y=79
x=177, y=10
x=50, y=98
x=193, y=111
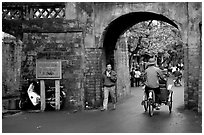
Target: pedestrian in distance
x=132, y=77
x=178, y=76
x=109, y=78
x=137, y=77
x=173, y=69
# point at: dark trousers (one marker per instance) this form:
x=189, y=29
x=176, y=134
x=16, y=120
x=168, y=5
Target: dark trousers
x=132, y=81
x=137, y=81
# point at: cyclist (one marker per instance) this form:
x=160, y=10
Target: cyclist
x=178, y=76
x=152, y=77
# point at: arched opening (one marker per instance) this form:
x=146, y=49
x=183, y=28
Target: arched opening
x=117, y=58
x=123, y=23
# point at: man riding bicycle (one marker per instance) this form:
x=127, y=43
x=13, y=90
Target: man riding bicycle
x=152, y=77
x=178, y=76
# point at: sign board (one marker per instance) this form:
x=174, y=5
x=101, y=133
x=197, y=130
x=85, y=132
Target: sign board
x=48, y=69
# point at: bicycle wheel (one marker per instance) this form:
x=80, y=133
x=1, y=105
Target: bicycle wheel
x=20, y=104
x=170, y=102
x=151, y=104
x=151, y=108
x=52, y=101
x=145, y=104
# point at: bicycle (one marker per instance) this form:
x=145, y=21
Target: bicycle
x=150, y=103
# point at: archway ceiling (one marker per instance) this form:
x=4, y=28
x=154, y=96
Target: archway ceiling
x=124, y=22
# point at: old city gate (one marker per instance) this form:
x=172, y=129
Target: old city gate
x=84, y=37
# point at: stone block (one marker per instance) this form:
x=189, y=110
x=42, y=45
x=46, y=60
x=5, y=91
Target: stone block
x=70, y=12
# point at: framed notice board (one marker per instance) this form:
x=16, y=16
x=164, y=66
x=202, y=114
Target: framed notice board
x=48, y=69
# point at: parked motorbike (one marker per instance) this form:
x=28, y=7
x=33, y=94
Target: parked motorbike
x=31, y=99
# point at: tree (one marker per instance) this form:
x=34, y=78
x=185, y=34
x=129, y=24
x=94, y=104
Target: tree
x=155, y=38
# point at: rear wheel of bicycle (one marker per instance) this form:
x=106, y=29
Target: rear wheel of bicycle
x=151, y=108
x=145, y=104
x=170, y=102
x=52, y=102
x=151, y=104
x=22, y=104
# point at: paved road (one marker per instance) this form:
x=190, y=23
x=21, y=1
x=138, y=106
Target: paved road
x=129, y=117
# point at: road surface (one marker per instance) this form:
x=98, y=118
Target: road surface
x=129, y=117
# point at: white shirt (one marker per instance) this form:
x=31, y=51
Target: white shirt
x=173, y=69
x=137, y=74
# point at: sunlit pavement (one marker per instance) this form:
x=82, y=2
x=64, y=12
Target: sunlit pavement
x=129, y=117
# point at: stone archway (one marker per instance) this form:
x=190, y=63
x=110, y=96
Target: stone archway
x=116, y=53
x=94, y=19
x=119, y=25
x=187, y=16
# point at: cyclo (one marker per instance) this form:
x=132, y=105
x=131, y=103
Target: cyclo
x=166, y=97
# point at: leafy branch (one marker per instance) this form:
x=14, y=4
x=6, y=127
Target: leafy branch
x=155, y=37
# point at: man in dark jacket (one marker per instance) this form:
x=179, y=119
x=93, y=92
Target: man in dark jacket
x=109, y=81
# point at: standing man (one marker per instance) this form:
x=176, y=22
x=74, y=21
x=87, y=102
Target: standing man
x=109, y=79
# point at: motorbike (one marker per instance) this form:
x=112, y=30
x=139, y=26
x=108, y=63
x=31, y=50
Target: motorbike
x=31, y=99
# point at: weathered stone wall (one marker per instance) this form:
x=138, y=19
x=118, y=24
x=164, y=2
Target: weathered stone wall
x=67, y=47
x=200, y=74
x=11, y=59
x=93, y=55
x=200, y=90
x=92, y=76
x=11, y=65
x=122, y=69
x=194, y=56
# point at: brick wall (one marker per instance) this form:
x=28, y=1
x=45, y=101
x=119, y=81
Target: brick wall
x=192, y=93
x=200, y=91
x=67, y=47
x=122, y=69
x=93, y=73
x=200, y=72
x=11, y=60
x=10, y=67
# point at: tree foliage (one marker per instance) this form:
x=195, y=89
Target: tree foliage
x=155, y=38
